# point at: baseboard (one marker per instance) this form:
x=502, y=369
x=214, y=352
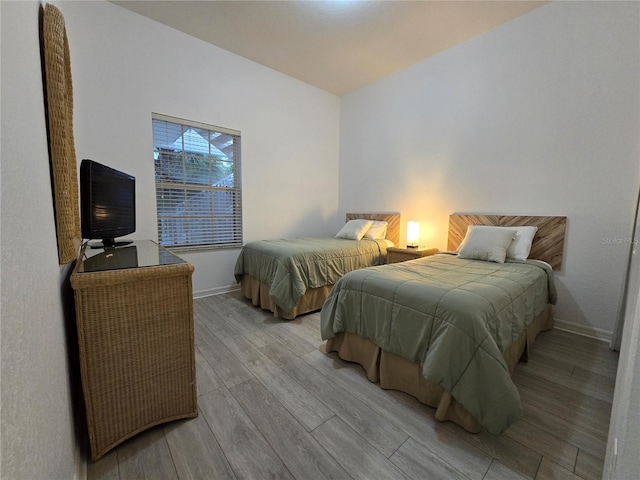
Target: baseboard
x=591, y=332
x=215, y=291
x=80, y=463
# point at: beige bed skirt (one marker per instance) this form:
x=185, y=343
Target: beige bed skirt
x=396, y=373
x=258, y=293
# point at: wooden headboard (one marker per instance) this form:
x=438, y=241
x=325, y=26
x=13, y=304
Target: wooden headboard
x=548, y=244
x=392, y=219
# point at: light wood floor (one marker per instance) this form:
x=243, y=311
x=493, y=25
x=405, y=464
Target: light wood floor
x=272, y=405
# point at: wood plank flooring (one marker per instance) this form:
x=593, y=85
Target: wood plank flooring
x=273, y=406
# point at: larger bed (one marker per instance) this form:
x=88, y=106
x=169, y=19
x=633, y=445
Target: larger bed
x=450, y=330
x=290, y=277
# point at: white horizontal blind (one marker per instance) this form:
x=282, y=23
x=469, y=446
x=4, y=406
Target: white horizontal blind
x=198, y=192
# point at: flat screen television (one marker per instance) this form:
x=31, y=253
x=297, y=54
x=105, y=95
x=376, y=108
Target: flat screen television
x=107, y=204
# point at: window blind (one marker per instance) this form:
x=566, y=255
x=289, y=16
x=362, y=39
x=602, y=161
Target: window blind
x=198, y=188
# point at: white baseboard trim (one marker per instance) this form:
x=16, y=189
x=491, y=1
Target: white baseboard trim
x=80, y=463
x=591, y=332
x=215, y=291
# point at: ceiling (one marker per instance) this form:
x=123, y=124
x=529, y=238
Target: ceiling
x=338, y=46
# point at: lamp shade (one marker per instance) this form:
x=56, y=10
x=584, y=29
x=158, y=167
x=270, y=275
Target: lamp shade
x=413, y=234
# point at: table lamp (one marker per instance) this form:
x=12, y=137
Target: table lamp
x=413, y=234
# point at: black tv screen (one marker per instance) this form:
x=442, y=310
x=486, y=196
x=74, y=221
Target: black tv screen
x=107, y=203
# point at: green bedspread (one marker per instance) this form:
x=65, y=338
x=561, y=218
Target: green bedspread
x=454, y=317
x=290, y=266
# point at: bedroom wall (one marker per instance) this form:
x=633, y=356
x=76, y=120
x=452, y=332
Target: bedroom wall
x=126, y=66
x=538, y=116
x=36, y=393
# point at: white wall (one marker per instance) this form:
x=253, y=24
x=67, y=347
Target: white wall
x=126, y=66
x=37, y=421
x=538, y=116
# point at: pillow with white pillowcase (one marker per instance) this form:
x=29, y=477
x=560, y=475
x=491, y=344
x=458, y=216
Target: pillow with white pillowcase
x=377, y=230
x=486, y=243
x=521, y=245
x=354, y=229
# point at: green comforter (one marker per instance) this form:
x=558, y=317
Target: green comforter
x=454, y=317
x=290, y=266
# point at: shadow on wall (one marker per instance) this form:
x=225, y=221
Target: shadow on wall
x=73, y=360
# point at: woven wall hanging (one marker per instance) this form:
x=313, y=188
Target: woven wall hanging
x=59, y=112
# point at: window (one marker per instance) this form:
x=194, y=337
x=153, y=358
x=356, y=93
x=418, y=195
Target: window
x=198, y=193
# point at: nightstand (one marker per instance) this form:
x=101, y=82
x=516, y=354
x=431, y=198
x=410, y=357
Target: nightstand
x=396, y=254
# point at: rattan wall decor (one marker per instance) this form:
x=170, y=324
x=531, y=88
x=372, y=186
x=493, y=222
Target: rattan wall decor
x=59, y=112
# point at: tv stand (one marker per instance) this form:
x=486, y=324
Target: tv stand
x=111, y=243
x=134, y=315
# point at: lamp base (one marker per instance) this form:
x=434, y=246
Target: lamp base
x=412, y=246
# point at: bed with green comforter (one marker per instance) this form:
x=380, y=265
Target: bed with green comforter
x=455, y=318
x=290, y=267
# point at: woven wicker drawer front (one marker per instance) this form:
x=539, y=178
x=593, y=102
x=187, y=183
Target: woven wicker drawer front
x=137, y=353
x=395, y=257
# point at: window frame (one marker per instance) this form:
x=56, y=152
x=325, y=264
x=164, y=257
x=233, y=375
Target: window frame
x=234, y=231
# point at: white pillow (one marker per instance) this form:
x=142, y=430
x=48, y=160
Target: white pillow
x=377, y=230
x=354, y=229
x=521, y=245
x=486, y=243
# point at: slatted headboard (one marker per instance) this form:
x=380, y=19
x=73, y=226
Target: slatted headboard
x=392, y=219
x=548, y=243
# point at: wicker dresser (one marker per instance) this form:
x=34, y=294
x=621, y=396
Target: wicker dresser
x=134, y=314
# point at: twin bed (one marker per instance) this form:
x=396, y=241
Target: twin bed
x=291, y=277
x=447, y=329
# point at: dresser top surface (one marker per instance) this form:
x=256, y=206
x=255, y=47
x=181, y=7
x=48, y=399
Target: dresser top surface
x=139, y=253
